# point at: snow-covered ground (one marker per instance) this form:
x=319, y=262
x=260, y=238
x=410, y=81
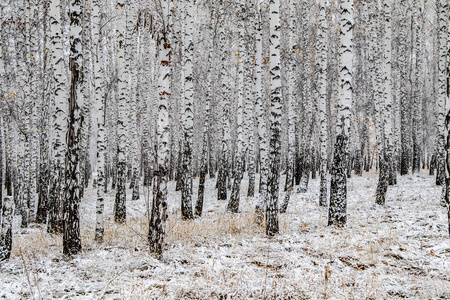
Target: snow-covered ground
x=400, y=250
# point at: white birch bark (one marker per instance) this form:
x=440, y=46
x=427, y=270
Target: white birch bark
x=6, y=228
x=224, y=159
x=262, y=131
x=120, y=201
x=323, y=117
x=418, y=91
x=132, y=80
x=249, y=111
x=388, y=130
x=34, y=86
x=441, y=92
x=59, y=99
x=188, y=114
x=97, y=22
x=272, y=226
x=233, y=204
x=159, y=207
x=292, y=101
x=338, y=191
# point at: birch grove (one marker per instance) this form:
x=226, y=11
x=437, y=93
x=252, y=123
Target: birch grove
x=222, y=107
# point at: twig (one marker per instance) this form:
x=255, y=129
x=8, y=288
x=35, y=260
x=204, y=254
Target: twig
x=266, y=275
x=109, y=282
x=26, y=272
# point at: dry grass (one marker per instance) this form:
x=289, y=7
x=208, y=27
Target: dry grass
x=36, y=242
x=134, y=233
x=223, y=224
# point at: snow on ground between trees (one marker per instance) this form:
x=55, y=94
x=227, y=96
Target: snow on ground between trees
x=400, y=250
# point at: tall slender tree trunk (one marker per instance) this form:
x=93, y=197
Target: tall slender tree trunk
x=100, y=100
x=159, y=207
x=418, y=94
x=444, y=88
x=441, y=104
x=387, y=7
x=59, y=99
x=205, y=155
x=404, y=100
x=249, y=119
x=323, y=117
x=44, y=170
x=225, y=92
x=188, y=114
x=73, y=187
x=233, y=204
x=262, y=131
x=120, y=211
x=292, y=101
x=337, y=213
x=272, y=226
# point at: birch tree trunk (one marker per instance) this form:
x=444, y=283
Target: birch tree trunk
x=120, y=212
x=188, y=114
x=6, y=228
x=225, y=92
x=233, y=204
x=262, y=131
x=159, y=207
x=44, y=170
x=132, y=81
x=387, y=7
x=323, y=117
x=32, y=156
x=404, y=100
x=73, y=187
x=272, y=226
x=59, y=99
x=292, y=101
x=206, y=127
x=100, y=99
x=418, y=93
x=337, y=214
x=444, y=87
x=249, y=118
x=441, y=97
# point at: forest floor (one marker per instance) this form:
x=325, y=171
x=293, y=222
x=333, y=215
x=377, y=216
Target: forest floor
x=399, y=250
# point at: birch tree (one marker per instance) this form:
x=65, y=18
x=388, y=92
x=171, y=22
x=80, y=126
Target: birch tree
x=59, y=99
x=440, y=102
x=323, y=118
x=206, y=125
x=6, y=228
x=159, y=207
x=387, y=7
x=404, y=100
x=418, y=91
x=233, y=204
x=225, y=92
x=188, y=114
x=73, y=186
x=120, y=211
x=262, y=131
x=43, y=125
x=292, y=69
x=337, y=212
x=272, y=226
x=100, y=100
x=444, y=87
